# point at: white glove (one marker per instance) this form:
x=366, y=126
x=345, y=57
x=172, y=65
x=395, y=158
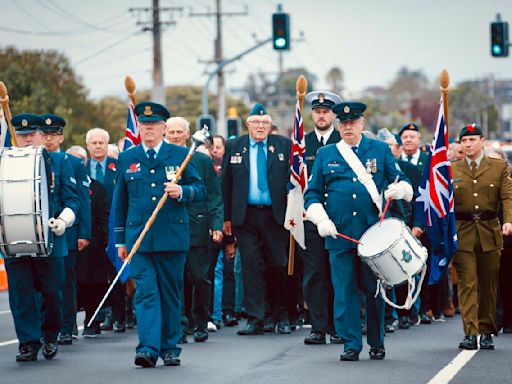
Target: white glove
x=58, y=226
x=317, y=215
x=65, y=220
x=399, y=191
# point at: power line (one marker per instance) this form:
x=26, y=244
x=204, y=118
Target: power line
x=100, y=51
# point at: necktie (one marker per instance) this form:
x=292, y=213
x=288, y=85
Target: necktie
x=409, y=158
x=354, y=148
x=473, y=168
x=151, y=154
x=100, y=176
x=322, y=143
x=261, y=162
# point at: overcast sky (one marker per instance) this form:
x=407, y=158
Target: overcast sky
x=369, y=40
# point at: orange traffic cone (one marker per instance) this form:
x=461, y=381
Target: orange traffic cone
x=3, y=276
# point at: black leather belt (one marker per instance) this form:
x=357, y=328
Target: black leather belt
x=260, y=207
x=476, y=216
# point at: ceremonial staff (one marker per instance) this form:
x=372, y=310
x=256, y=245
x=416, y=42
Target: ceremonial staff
x=301, y=87
x=444, y=82
x=129, y=84
x=4, y=101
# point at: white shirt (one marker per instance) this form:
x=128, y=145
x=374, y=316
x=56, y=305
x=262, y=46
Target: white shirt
x=325, y=134
x=415, y=157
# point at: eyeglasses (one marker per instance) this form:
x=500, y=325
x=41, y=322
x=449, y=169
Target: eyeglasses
x=260, y=122
x=51, y=134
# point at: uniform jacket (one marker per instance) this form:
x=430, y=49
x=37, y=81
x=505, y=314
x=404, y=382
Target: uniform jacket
x=347, y=202
x=235, y=181
x=208, y=214
x=483, y=193
x=81, y=229
x=110, y=176
x=63, y=192
x=312, y=145
x=139, y=187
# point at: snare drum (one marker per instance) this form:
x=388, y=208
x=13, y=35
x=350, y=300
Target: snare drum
x=25, y=206
x=392, y=252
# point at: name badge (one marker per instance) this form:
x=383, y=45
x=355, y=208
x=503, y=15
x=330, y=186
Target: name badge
x=280, y=156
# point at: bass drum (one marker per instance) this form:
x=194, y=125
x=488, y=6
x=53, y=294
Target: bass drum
x=25, y=204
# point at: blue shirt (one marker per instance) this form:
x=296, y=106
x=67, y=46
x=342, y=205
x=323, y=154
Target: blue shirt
x=256, y=196
x=157, y=148
x=103, y=164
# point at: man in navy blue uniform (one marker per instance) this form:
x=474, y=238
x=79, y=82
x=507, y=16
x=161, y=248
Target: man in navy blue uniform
x=256, y=175
x=350, y=207
x=318, y=292
x=28, y=276
x=77, y=236
x=158, y=266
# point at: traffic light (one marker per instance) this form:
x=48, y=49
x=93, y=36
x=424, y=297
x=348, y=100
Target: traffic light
x=281, y=31
x=499, y=39
x=209, y=120
x=233, y=127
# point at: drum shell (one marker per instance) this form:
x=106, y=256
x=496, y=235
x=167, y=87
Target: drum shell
x=403, y=259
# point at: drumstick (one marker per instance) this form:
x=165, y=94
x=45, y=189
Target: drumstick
x=348, y=238
x=387, y=204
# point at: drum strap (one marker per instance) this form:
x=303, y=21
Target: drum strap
x=364, y=177
x=410, y=300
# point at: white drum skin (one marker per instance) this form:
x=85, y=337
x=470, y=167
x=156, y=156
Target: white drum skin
x=392, y=252
x=24, y=202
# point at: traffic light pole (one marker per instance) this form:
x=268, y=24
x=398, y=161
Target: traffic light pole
x=221, y=130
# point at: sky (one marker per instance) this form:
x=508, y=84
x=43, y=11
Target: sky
x=369, y=40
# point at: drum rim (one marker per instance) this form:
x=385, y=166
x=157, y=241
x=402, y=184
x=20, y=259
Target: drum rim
x=402, y=223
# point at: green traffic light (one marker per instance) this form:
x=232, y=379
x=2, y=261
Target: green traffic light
x=280, y=42
x=496, y=49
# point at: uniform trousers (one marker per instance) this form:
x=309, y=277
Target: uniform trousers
x=477, y=280
x=159, y=281
x=349, y=275
x=317, y=285
x=263, y=253
x=199, y=265
x=27, y=277
x=69, y=294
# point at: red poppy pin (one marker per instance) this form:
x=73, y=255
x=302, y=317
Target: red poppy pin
x=112, y=167
x=471, y=128
x=271, y=148
x=133, y=168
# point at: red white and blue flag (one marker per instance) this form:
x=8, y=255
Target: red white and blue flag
x=435, y=203
x=132, y=136
x=294, y=218
x=5, y=135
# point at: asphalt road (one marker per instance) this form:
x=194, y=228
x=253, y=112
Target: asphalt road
x=412, y=356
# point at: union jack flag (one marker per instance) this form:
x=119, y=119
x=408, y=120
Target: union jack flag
x=294, y=219
x=132, y=136
x=435, y=204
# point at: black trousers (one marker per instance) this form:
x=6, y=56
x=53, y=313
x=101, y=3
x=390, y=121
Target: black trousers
x=228, y=286
x=317, y=284
x=89, y=297
x=199, y=264
x=263, y=252
x=69, y=294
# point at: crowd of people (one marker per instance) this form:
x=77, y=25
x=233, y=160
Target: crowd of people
x=217, y=251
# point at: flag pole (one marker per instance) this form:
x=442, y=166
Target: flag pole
x=444, y=82
x=301, y=87
x=4, y=100
x=129, y=84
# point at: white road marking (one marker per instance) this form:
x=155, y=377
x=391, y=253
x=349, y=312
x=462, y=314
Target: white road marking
x=446, y=374
x=15, y=341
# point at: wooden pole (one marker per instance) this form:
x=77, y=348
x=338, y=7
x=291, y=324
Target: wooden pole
x=4, y=100
x=129, y=84
x=444, y=83
x=301, y=87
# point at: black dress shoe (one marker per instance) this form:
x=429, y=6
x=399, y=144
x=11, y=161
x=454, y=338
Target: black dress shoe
x=50, y=350
x=349, y=356
x=65, y=339
x=315, y=338
x=27, y=353
x=269, y=327
x=284, y=328
x=425, y=319
x=230, y=321
x=200, y=335
x=336, y=339
x=469, y=342
x=404, y=322
x=89, y=332
x=145, y=360
x=171, y=360
x=119, y=327
x=486, y=341
x=377, y=353
x=251, y=330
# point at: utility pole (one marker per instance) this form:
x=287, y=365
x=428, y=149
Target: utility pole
x=218, y=59
x=155, y=26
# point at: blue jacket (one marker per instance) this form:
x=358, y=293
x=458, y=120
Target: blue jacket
x=63, y=192
x=347, y=202
x=81, y=229
x=139, y=187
